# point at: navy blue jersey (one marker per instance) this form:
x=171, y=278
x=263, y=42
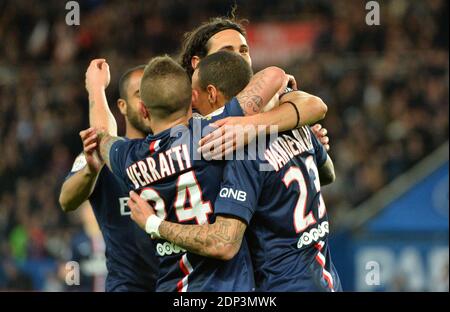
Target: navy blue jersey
x=130, y=263
x=279, y=197
x=169, y=173
x=89, y=252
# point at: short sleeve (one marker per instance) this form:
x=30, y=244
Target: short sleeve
x=240, y=189
x=231, y=109
x=79, y=163
x=118, y=155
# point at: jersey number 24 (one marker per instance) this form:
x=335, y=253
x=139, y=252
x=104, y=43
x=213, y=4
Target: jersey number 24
x=187, y=189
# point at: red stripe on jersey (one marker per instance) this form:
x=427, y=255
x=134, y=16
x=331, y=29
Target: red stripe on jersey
x=319, y=246
x=151, y=148
x=180, y=286
x=328, y=279
x=183, y=267
x=182, y=283
x=320, y=261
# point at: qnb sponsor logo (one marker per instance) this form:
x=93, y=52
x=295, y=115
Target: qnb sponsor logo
x=167, y=248
x=235, y=194
x=314, y=235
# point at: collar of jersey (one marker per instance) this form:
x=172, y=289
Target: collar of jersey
x=164, y=133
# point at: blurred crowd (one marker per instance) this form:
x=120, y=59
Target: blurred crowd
x=386, y=88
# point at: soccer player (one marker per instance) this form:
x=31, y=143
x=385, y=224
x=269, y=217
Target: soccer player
x=166, y=171
x=130, y=266
x=282, y=209
x=228, y=34
x=215, y=35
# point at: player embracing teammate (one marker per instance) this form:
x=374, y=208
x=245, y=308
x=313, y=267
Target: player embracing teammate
x=276, y=198
x=183, y=189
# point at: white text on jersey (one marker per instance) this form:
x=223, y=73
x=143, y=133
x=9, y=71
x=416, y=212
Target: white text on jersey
x=227, y=192
x=145, y=172
x=286, y=147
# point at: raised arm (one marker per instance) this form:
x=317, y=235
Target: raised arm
x=263, y=86
x=297, y=109
x=221, y=240
x=78, y=187
x=97, y=80
x=310, y=109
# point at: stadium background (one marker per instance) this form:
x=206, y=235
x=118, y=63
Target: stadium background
x=386, y=88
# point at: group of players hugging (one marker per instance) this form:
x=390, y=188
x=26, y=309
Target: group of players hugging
x=216, y=184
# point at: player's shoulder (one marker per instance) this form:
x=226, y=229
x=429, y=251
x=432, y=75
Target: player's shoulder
x=199, y=125
x=125, y=150
x=124, y=143
x=231, y=108
x=128, y=141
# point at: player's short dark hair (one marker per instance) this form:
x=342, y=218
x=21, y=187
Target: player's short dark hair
x=165, y=88
x=125, y=78
x=227, y=71
x=195, y=42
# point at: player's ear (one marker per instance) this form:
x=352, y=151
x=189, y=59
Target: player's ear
x=195, y=96
x=144, y=111
x=212, y=94
x=122, y=105
x=194, y=61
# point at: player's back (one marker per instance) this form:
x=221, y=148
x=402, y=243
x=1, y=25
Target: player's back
x=288, y=225
x=292, y=212
x=129, y=268
x=167, y=172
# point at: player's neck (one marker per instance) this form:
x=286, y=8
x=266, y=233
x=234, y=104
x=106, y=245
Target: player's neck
x=161, y=125
x=211, y=108
x=133, y=133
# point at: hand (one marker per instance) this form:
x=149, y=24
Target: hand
x=321, y=135
x=289, y=81
x=232, y=133
x=140, y=209
x=97, y=75
x=292, y=83
x=89, y=138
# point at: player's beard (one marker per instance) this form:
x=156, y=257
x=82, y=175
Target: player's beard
x=136, y=121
